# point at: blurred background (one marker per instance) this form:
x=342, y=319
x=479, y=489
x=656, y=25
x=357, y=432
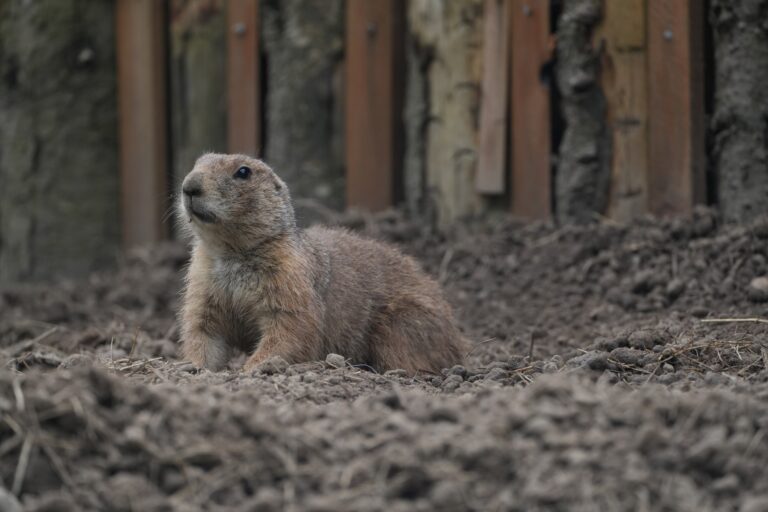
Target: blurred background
x=563, y=110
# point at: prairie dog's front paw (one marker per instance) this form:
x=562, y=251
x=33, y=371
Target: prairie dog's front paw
x=205, y=352
x=271, y=365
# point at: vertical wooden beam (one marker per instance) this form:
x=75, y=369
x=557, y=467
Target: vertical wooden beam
x=494, y=112
x=243, y=94
x=530, y=145
x=141, y=74
x=624, y=80
x=676, y=177
x=373, y=100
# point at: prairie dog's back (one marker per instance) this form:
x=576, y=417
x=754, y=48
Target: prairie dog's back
x=368, y=281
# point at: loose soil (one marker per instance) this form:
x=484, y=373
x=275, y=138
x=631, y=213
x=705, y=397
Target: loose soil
x=614, y=367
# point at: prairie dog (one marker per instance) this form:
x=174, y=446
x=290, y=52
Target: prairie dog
x=259, y=284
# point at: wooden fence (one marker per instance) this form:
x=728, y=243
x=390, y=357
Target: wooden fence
x=651, y=60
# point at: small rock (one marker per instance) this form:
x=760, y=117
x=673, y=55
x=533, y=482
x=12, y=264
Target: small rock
x=444, y=414
x=606, y=344
x=451, y=383
x=714, y=379
x=597, y=361
x=699, y=311
x=447, y=496
x=76, y=361
x=458, y=370
x=391, y=400
x=171, y=480
x=703, y=223
x=675, y=288
x=644, y=339
x=496, y=374
x=273, y=365
x=668, y=368
x=336, y=360
x=629, y=356
x=760, y=228
x=758, y=289
x=644, y=282
x=409, y=483
x=550, y=367
x=396, y=373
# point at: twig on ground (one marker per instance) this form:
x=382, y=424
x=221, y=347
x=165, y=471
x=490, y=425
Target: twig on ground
x=21, y=346
x=21, y=466
x=753, y=320
x=477, y=345
x=18, y=395
x=443, y=273
x=57, y=464
x=530, y=347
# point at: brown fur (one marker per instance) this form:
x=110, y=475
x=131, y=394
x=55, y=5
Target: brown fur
x=259, y=284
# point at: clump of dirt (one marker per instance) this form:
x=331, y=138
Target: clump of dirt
x=614, y=367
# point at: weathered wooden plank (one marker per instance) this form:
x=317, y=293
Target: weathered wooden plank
x=198, y=113
x=494, y=113
x=530, y=107
x=624, y=80
x=676, y=106
x=243, y=95
x=373, y=99
x=141, y=51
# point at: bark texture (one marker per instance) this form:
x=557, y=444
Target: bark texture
x=303, y=44
x=442, y=111
x=198, y=49
x=58, y=140
x=582, y=180
x=740, y=122
x=415, y=122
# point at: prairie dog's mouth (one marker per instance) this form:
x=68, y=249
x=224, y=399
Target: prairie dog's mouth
x=200, y=212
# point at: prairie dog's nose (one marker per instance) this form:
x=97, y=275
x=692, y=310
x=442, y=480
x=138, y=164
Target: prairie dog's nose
x=192, y=187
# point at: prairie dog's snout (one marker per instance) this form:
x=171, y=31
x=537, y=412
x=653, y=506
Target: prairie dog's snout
x=196, y=203
x=192, y=186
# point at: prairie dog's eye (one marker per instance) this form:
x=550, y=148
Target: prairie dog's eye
x=243, y=173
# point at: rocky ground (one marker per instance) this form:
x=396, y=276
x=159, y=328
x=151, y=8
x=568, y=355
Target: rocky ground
x=613, y=368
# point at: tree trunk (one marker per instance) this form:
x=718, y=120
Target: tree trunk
x=583, y=171
x=303, y=45
x=447, y=41
x=740, y=123
x=58, y=140
x=198, y=49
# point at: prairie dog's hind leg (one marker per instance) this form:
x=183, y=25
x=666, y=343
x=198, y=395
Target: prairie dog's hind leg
x=415, y=338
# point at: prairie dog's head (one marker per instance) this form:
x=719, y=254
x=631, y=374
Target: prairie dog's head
x=235, y=201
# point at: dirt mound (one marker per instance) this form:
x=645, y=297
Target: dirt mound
x=614, y=367
x=96, y=442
